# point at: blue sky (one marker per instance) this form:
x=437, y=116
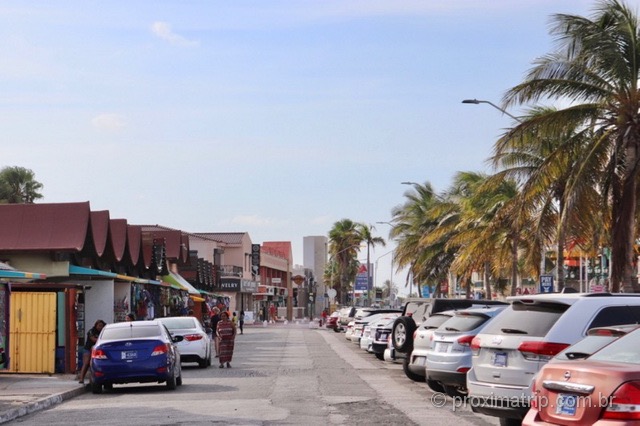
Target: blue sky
x=273, y=117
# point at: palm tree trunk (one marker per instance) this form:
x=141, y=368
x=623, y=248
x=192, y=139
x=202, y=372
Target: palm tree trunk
x=487, y=284
x=624, y=211
x=514, y=266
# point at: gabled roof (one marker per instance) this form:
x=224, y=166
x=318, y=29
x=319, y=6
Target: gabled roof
x=223, y=237
x=59, y=226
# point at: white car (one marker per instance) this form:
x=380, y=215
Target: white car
x=370, y=330
x=196, y=343
x=515, y=345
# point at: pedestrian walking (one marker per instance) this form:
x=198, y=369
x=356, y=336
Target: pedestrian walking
x=92, y=338
x=272, y=313
x=234, y=319
x=324, y=317
x=215, y=319
x=226, y=332
x=241, y=322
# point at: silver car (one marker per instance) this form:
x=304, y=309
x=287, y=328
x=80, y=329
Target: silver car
x=449, y=357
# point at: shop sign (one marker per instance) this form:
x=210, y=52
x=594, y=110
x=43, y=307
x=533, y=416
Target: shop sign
x=230, y=284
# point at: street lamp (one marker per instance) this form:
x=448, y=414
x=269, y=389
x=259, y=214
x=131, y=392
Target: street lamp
x=477, y=101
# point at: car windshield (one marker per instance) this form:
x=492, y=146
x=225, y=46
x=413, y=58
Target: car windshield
x=626, y=349
x=463, y=323
x=118, y=333
x=526, y=319
x=178, y=323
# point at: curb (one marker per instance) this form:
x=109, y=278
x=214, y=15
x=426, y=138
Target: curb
x=40, y=404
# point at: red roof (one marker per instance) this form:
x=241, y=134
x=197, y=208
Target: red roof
x=59, y=226
x=118, y=235
x=100, y=230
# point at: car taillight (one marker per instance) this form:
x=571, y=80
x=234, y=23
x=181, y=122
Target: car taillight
x=465, y=340
x=98, y=354
x=624, y=403
x=160, y=350
x=463, y=369
x=475, y=346
x=192, y=337
x=540, y=351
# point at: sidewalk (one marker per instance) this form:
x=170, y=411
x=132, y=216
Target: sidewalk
x=22, y=394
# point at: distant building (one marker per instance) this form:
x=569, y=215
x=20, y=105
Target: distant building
x=314, y=253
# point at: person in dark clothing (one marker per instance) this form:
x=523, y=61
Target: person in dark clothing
x=92, y=337
x=241, y=322
x=214, y=325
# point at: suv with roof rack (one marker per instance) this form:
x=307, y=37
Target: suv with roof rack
x=510, y=351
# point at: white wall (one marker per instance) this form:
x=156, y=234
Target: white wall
x=98, y=302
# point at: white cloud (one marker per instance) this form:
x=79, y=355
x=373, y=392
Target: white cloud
x=163, y=30
x=110, y=122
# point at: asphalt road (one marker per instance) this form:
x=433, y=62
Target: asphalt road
x=280, y=375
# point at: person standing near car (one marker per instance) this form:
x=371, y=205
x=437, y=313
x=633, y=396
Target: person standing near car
x=92, y=338
x=215, y=318
x=226, y=332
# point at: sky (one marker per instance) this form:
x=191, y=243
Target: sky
x=277, y=118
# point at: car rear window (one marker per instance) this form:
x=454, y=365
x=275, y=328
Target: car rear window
x=435, y=321
x=626, y=349
x=527, y=319
x=616, y=315
x=130, y=332
x=176, y=323
x=585, y=347
x=463, y=323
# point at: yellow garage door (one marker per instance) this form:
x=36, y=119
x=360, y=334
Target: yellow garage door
x=32, y=332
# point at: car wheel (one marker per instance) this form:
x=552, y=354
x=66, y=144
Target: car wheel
x=179, y=379
x=435, y=386
x=402, y=334
x=380, y=356
x=410, y=374
x=456, y=391
x=202, y=363
x=209, y=358
x=96, y=388
x=337, y=329
x=172, y=382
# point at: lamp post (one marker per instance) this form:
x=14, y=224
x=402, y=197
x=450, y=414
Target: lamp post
x=477, y=101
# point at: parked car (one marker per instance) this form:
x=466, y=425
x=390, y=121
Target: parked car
x=333, y=322
x=381, y=337
x=135, y=352
x=347, y=314
x=601, y=390
x=414, y=364
x=363, y=317
x=196, y=343
x=511, y=350
x=370, y=329
x=417, y=309
x=449, y=357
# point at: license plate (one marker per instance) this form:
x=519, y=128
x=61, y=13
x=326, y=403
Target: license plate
x=129, y=354
x=441, y=347
x=566, y=404
x=500, y=359
x=420, y=360
x=384, y=336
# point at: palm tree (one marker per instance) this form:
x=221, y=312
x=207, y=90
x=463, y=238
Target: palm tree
x=344, y=242
x=366, y=233
x=18, y=185
x=595, y=70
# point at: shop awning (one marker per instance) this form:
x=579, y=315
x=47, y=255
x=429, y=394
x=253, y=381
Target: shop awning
x=19, y=275
x=177, y=279
x=80, y=270
x=197, y=298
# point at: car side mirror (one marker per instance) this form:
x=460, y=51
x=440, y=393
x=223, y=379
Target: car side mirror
x=176, y=339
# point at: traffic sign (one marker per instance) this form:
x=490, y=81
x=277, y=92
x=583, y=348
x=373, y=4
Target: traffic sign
x=546, y=283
